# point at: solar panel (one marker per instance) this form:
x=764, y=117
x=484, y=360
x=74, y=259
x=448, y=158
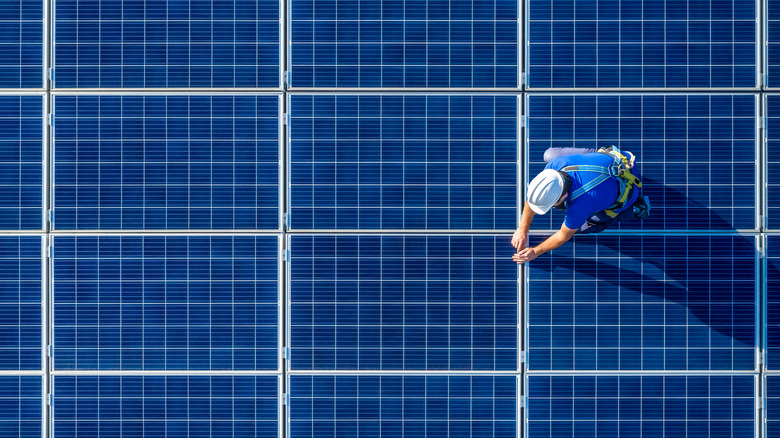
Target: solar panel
x=403, y=162
x=772, y=160
x=21, y=44
x=772, y=324
x=21, y=404
x=696, y=154
x=166, y=162
x=20, y=303
x=644, y=303
x=166, y=303
x=648, y=44
x=657, y=405
x=402, y=303
x=172, y=406
x=403, y=406
x=772, y=55
x=772, y=403
x=167, y=44
x=393, y=44
x=21, y=160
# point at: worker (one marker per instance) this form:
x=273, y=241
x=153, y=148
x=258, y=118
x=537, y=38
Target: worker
x=595, y=189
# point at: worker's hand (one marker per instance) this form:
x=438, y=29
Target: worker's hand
x=519, y=239
x=525, y=255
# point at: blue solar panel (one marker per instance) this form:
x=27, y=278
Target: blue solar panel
x=403, y=406
x=21, y=403
x=166, y=44
x=402, y=303
x=647, y=406
x=772, y=161
x=651, y=43
x=389, y=43
x=772, y=278
x=696, y=154
x=21, y=160
x=20, y=303
x=166, y=303
x=166, y=162
x=21, y=44
x=166, y=406
x=772, y=406
x=403, y=162
x=772, y=37
x=644, y=303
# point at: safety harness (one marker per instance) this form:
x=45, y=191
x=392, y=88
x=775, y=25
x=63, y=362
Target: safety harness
x=620, y=170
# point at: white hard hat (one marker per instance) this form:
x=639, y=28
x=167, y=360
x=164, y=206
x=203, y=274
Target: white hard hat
x=545, y=190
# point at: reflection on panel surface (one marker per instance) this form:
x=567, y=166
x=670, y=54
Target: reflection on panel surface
x=403, y=162
x=166, y=303
x=160, y=406
x=403, y=303
x=20, y=303
x=166, y=44
x=648, y=44
x=21, y=161
x=166, y=162
x=658, y=406
x=696, y=154
x=403, y=406
x=392, y=44
x=644, y=303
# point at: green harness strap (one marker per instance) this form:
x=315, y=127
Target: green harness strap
x=619, y=170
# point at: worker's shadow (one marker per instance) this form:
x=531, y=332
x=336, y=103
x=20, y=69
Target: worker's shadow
x=713, y=277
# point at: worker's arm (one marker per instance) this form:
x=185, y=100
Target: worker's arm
x=520, y=238
x=559, y=238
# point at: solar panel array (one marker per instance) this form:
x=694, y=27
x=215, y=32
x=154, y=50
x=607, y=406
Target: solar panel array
x=264, y=218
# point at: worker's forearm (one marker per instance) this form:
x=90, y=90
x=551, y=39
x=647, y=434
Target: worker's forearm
x=526, y=218
x=552, y=242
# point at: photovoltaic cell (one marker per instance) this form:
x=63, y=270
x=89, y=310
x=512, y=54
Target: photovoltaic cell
x=644, y=303
x=648, y=44
x=21, y=159
x=166, y=162
x=403, y=303
x=167, y=44
x=20, y=303
x=772, y=257
x=172, y=406
x=403, y=406
x=21, y=44
x=166, y=303
x=772, y=161
x=21, y=402
x=659, y=406
x=772, y=60
x=403, y=162
x=696, y=154
x=391, y=44
x=772, y=407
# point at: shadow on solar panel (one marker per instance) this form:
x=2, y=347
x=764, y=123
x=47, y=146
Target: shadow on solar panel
x=709, y=280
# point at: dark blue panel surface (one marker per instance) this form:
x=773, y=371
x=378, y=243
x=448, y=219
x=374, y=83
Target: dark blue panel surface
x=403, y=162
x=20, y=303
x=166, y=44
x=772, y=36
x=772, y=405
x=646, y=406
x=392, y=44
x=166, y=406
x=772, y=117
x=21, y=157
x=772, y=252
x=648, y=44
x=21, y=402
x=166, y=162
x=166, y=303
x=403, y=303
x=21, y=44
x=644, y=303
x=403, y=406
x=696, y=154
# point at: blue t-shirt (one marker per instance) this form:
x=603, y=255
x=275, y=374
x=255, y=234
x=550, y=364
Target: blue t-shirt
x=596, y=199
